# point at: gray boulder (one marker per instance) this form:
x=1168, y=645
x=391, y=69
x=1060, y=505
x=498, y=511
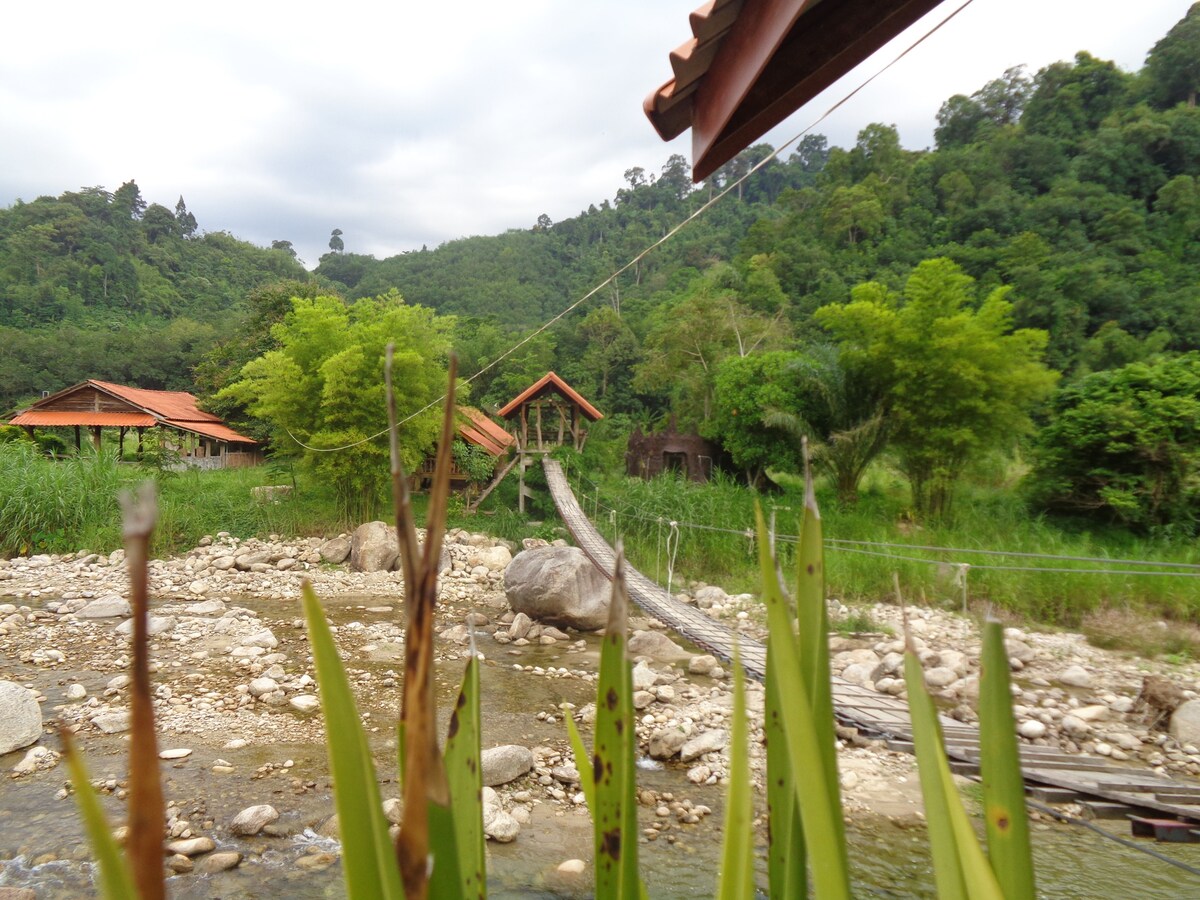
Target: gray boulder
x=105, y=607
x=559, y=586
x=506, y=763
x=656, y=645
x=253, y=819
x=20, y=717
x=373, y=547
x=1185, y=723
x=335, y=550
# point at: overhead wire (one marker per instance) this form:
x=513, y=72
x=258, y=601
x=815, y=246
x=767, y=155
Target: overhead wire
x=699, y=211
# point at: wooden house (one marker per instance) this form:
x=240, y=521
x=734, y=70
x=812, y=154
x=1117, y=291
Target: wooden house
x=474, y=427
x=201, y=439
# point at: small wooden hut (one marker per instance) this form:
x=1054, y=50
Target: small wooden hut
x=547, y=414
x=649, y=455
x=472, y=426
x=201, y=439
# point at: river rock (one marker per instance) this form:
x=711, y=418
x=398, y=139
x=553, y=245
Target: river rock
x=644, y=677
x=335, y=550
x=558, y=585
x=218, y=862
x=192, y=846
x=506, y=763
x=495, y=559
x=703, y=664
x=1185, y=723
x=710, y=596
x=20, y=717
x=112, y=721
x=1076, y=676
x=17, y=893
x=656, y=645
x=707, y=742
x=1032, y=729
x=373, y=547
x=154, y=625
x=253, y=819
x=111, y=606
x=305, y=703
x=940, y=677
x=497, y=824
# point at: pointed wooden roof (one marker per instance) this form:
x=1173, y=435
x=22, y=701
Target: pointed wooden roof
x=138, y=407
x=549, y=384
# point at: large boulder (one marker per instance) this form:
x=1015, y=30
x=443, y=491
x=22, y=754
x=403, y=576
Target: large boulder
x=559, y=586
x=20, y=717
x=1185, y=723
x=373, y=547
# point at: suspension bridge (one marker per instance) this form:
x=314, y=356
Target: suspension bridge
x=1107, y=789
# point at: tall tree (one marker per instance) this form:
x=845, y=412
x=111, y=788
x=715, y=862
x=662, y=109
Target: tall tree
x=1173, y=65
x=336, y=244
x=322, y=390
x=959, y=381
x=187, y=221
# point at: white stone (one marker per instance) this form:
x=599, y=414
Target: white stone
x=1032, y=729
x=1076, y=676
x=253, y=819
x=305, y=703
x=177, y=753
x=506, y=763
x=707, y=742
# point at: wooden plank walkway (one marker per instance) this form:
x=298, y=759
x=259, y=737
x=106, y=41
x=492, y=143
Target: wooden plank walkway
x=875, y=713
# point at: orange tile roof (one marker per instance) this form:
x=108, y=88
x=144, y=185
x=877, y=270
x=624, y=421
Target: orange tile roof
x=177, y=409
x=547, y=384
x=51, y=417
x=481, y=430
x=212, y=430
x=166, y=404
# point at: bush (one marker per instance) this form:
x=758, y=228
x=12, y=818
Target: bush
x=1123, y=446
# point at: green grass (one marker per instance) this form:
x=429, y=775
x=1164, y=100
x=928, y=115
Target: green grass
x=64, y=505
x=985, y=518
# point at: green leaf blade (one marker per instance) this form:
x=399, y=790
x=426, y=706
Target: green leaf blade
x=465, y=776
x=1000, y=766
x=737, y=858
x=368, y=860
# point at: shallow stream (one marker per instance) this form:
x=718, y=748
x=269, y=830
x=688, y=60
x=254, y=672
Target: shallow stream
x=41, y=844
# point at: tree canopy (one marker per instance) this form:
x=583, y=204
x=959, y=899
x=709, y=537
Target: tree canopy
x=322, y=392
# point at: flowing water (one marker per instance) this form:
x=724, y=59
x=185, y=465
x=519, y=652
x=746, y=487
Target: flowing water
x=41, y=843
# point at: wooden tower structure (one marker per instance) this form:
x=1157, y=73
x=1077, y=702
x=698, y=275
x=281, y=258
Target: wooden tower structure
x=547, y=414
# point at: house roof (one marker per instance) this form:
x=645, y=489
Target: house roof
x=481, y=430
x=751, y=63
x=549, y=384
x=46, y=418
x=176, y=409
x=178, y=405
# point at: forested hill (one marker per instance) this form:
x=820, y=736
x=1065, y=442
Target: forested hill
x=1078, y=186
x=99, y=284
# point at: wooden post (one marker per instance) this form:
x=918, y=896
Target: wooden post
x=121, y=441
x=141, y=432
x=78, y=444
x=96, y=437
x=539, y=425
x=29, y=431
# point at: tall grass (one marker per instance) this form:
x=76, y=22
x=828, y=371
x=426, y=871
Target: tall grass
x=68, y=504
x=50, y=505
x=713, y=546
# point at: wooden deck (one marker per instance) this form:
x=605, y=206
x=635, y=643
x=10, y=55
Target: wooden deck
x=1058, y=776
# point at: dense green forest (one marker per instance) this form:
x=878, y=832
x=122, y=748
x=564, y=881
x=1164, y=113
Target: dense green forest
x=101, y=284
x=937, y=305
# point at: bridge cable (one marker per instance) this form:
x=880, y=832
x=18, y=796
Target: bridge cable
x=701, y=210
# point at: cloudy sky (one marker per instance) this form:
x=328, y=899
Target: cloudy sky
x=410, y=124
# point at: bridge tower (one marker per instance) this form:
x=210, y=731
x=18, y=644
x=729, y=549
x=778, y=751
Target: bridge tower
x=547, y=414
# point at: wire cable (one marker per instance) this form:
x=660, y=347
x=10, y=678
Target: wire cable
x=701, y=210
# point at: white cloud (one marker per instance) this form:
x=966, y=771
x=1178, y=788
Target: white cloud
x=411, y=124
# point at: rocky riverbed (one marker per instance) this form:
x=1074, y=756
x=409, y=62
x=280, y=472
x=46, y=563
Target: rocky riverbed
x=241, y=737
